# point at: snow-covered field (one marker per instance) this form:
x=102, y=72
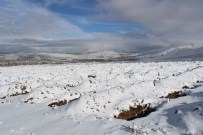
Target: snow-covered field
x=84, y=98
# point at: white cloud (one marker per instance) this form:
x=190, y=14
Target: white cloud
x=166, y=21
x=175, y=20
x=47, y=3
x=20, y=19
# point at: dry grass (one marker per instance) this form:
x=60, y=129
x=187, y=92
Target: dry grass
x=135, y=112
x=175, y=94
x=59, y=103
x=29, y=100
x=17, y=94
x=3, y=97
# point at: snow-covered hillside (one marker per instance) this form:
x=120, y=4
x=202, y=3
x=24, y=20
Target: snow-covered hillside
x=175, y=53
x=96, y=98
x=37, y=58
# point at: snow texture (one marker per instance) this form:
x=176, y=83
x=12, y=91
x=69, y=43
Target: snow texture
x=95, y=92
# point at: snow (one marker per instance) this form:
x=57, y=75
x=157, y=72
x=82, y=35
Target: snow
x=95, y=92
x=176, y=52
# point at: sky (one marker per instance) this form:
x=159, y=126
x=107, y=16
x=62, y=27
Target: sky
x=79, y=26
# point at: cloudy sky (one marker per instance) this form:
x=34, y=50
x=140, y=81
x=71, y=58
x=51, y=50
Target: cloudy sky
x=76, y=26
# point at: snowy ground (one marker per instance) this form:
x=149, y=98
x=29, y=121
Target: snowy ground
x=93, y=93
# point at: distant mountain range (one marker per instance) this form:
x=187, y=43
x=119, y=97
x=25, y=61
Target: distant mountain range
x=174, y=53
x=170, y=53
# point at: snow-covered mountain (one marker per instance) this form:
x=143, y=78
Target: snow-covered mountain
x=173, y=53
x=170, y=53
x=61, y=57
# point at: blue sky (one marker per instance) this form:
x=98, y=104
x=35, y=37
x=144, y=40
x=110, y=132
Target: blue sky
x=94, y=25
x=85, y=15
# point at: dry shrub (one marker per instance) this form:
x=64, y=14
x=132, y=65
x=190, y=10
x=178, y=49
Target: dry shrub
x=175, y=94
x=59, y=103
x=135, y=112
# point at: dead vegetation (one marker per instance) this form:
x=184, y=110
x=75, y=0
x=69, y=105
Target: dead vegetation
x=199, y=81
x=70, y=85
x=175, y=94
x=29, y=100
x=59, y=103
x=23, y=89
x=63, y=102
x=135, y=112
x=193, y=87
x=91, y=76
x=3, y=97
x=185, y=87
x=17, y=93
